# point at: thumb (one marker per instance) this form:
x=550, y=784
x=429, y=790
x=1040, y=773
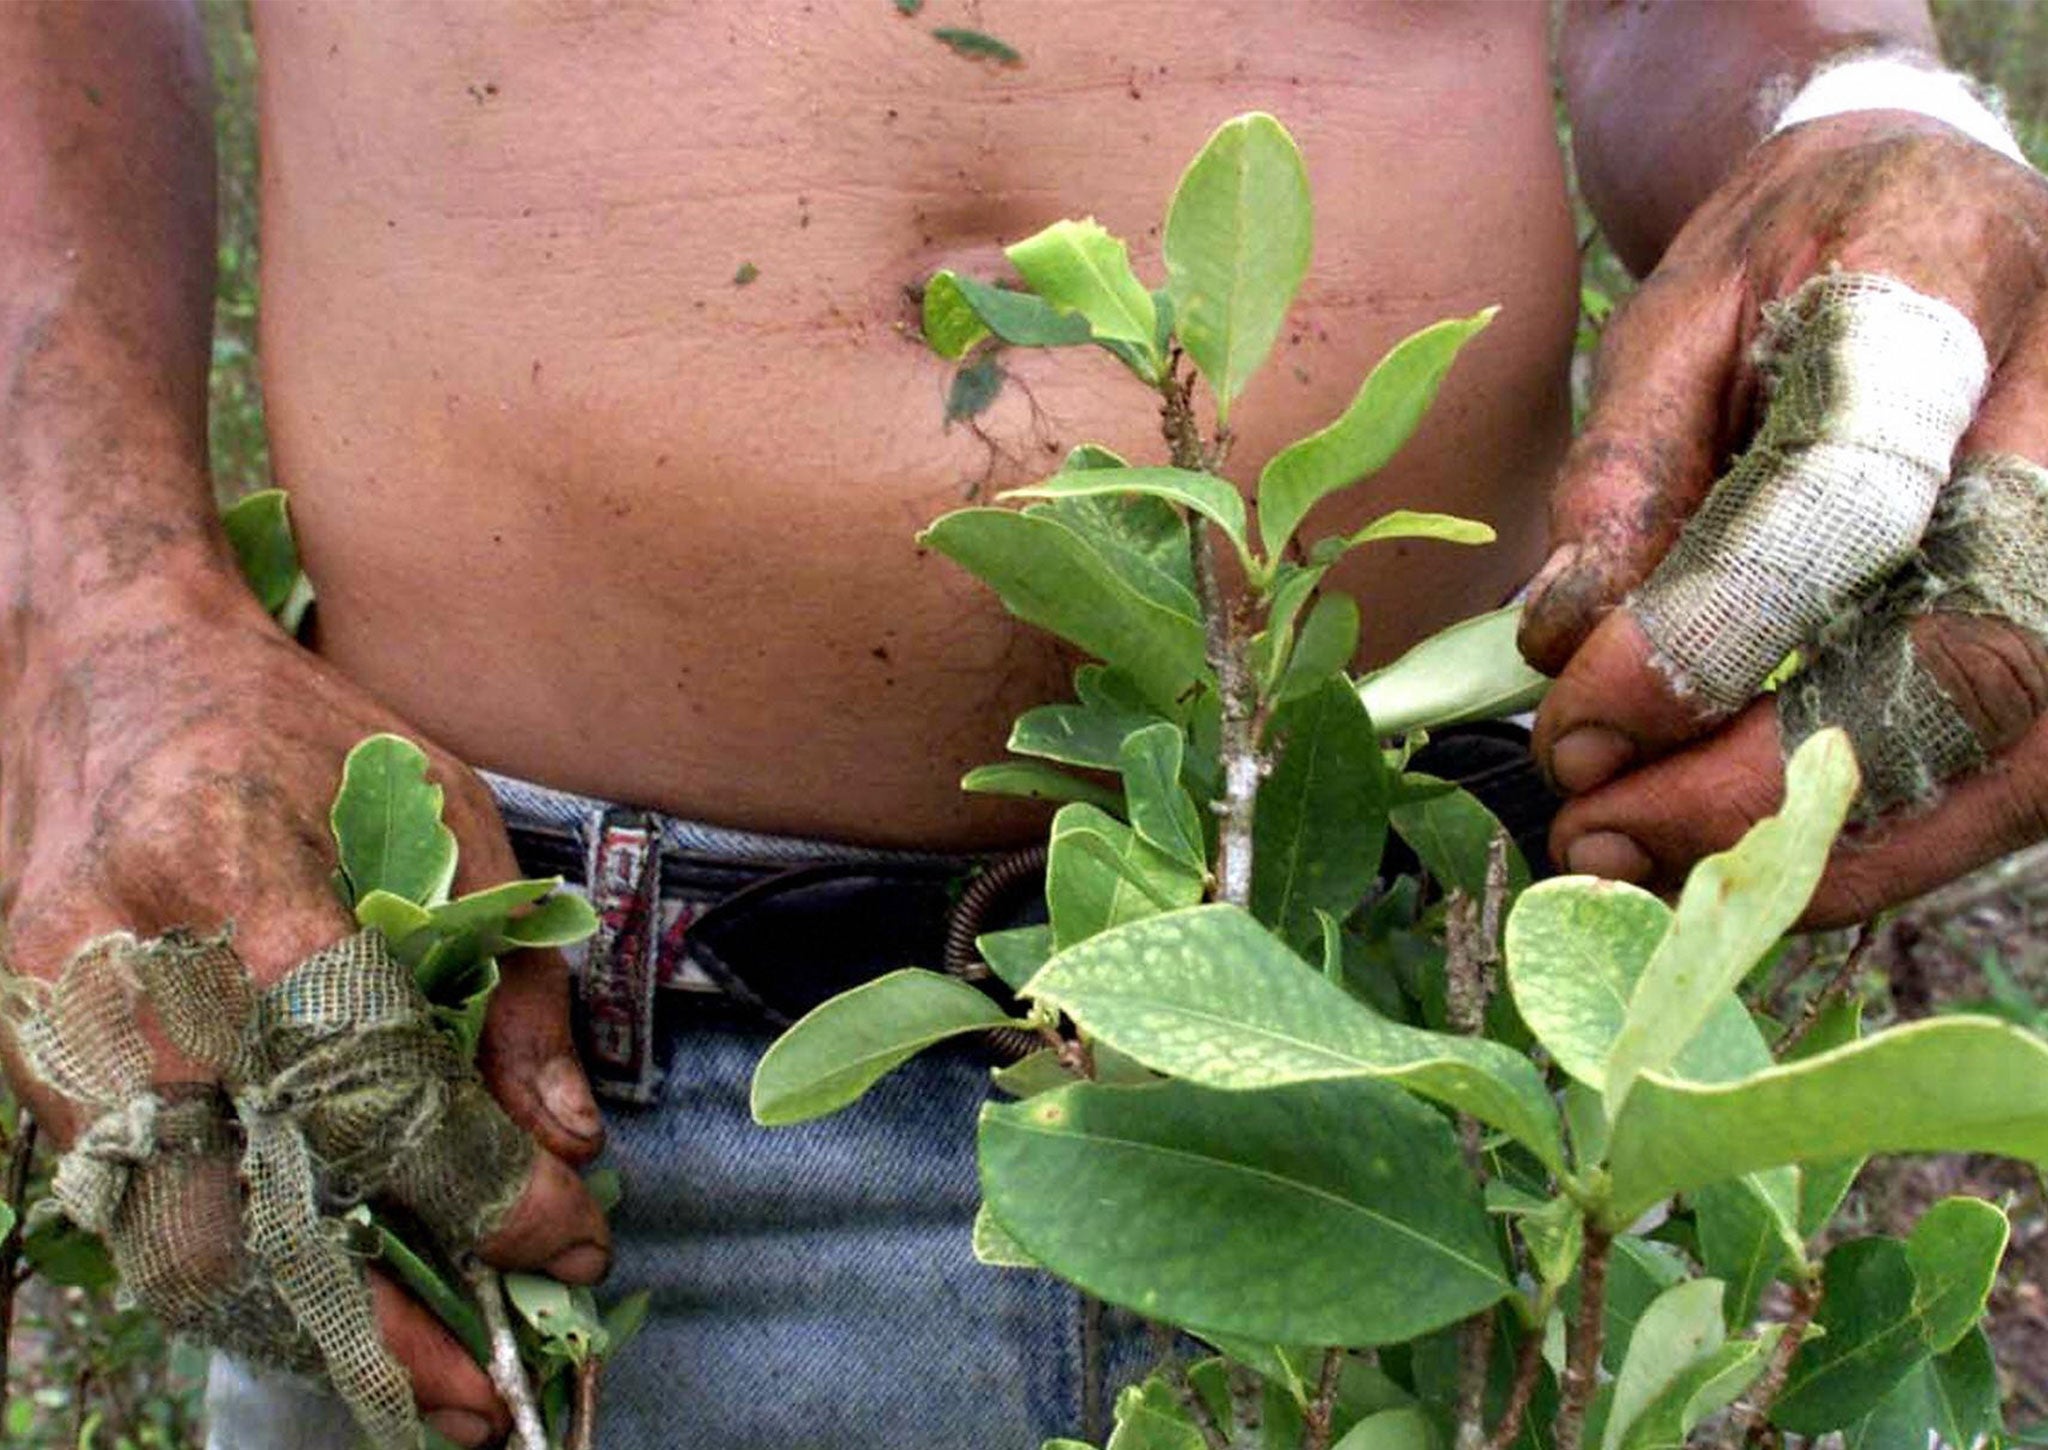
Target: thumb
x=525, y=1053
x=1668, y=402
x=528, y=1059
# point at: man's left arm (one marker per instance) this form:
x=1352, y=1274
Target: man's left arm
x=1666, y=99
x=1820, y=427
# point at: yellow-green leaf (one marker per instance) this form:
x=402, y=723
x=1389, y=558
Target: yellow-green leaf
x=1237, y=243
x=1735, y=905
x=1078, y=266
x=1470, y=670
x=1389, y=406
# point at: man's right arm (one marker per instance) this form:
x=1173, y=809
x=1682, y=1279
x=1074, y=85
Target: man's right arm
x=166, y=755
x=106, y=294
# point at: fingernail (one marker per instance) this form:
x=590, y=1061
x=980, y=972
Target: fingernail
x=1588, y=757
x=586, y=1263
x=565, y=1097
x=1561, y=558
x=464, y=1427
x=1609, y=854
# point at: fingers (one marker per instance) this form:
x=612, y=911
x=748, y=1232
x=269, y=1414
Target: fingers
x=1669, y=399
x=453, y=1392
x=40, y=938
x=526, y=1054
x=529, y=1062
x=1653, y=825
x=2014, y=415
x=554, y=1227
x=1942, y=689
x=1871, y=386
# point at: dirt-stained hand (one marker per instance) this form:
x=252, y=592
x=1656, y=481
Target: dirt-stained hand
x=171, y=764
x=1653, y=725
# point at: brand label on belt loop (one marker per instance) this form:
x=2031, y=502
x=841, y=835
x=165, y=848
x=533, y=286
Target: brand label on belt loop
x=616, y=994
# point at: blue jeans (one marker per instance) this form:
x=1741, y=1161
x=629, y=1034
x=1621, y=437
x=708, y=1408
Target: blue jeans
x=812, y=1287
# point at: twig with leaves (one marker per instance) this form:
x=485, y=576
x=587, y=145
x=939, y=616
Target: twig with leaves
x=1837, y=986
x=1320, y=1421
x=506, y=1369
x=1472, y=950
x=1589, y=1334
x=1265, y=1012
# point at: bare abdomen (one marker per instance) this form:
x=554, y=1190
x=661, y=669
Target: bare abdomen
x=587, y=508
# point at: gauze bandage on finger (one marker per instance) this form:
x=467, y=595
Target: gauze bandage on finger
x=1986, y=553
x=1868, y=386
x=342, y=1089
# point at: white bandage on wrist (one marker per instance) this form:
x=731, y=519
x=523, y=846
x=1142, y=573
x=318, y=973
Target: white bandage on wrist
x=1870, y=385
x=1868, y=82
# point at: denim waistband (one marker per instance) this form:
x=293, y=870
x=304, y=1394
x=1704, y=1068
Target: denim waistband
x=527, y=807
x=775, y=924
x=686, y=907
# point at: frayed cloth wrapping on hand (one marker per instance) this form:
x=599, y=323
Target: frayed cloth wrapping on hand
x=1869, y=385
x=1986, y=553
x=1841, y=525
x=342, y=1090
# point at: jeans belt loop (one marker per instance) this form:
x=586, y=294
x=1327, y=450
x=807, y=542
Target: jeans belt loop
x=616, y=994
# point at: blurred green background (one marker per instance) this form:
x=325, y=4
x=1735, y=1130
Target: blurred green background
x=84, y=1372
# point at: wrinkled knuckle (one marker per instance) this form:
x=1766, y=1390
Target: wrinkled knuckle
x=139, y=859
x=2021, y=815
x=469, y=799
x=41, y=912
x=1995, y=674
x=1854, y=890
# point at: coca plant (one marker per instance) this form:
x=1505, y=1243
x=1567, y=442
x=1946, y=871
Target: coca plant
x=1457, y=1161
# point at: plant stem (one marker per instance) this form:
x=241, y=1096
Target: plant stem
x=1471, y=930
x=583, y=1427
x=1493, y=904
x=1247, y=1400
x=1475, y=1352
x=1239, y=737
x=1198, y=1408
x=1177, y=418
x=1239, y=743
x=1465, y=965
x=1528, y=1364
x=508, y=1375
x=1582, y=1369
x=1472, y=943
x=1075, y=1055
x=14, y=1193
x=1831, y=991
x=1805, y=1304
x=1322, y=1411
x=432, y=1290
x=1468, y=954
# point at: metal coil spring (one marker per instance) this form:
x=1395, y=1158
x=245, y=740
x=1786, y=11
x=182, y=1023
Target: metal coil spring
x=992, y=887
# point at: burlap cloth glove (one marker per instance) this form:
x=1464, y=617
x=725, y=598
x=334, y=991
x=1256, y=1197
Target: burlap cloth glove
x=222, y=1205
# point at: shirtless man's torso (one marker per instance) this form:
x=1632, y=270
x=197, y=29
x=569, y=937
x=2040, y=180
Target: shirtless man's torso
x=587, y=510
